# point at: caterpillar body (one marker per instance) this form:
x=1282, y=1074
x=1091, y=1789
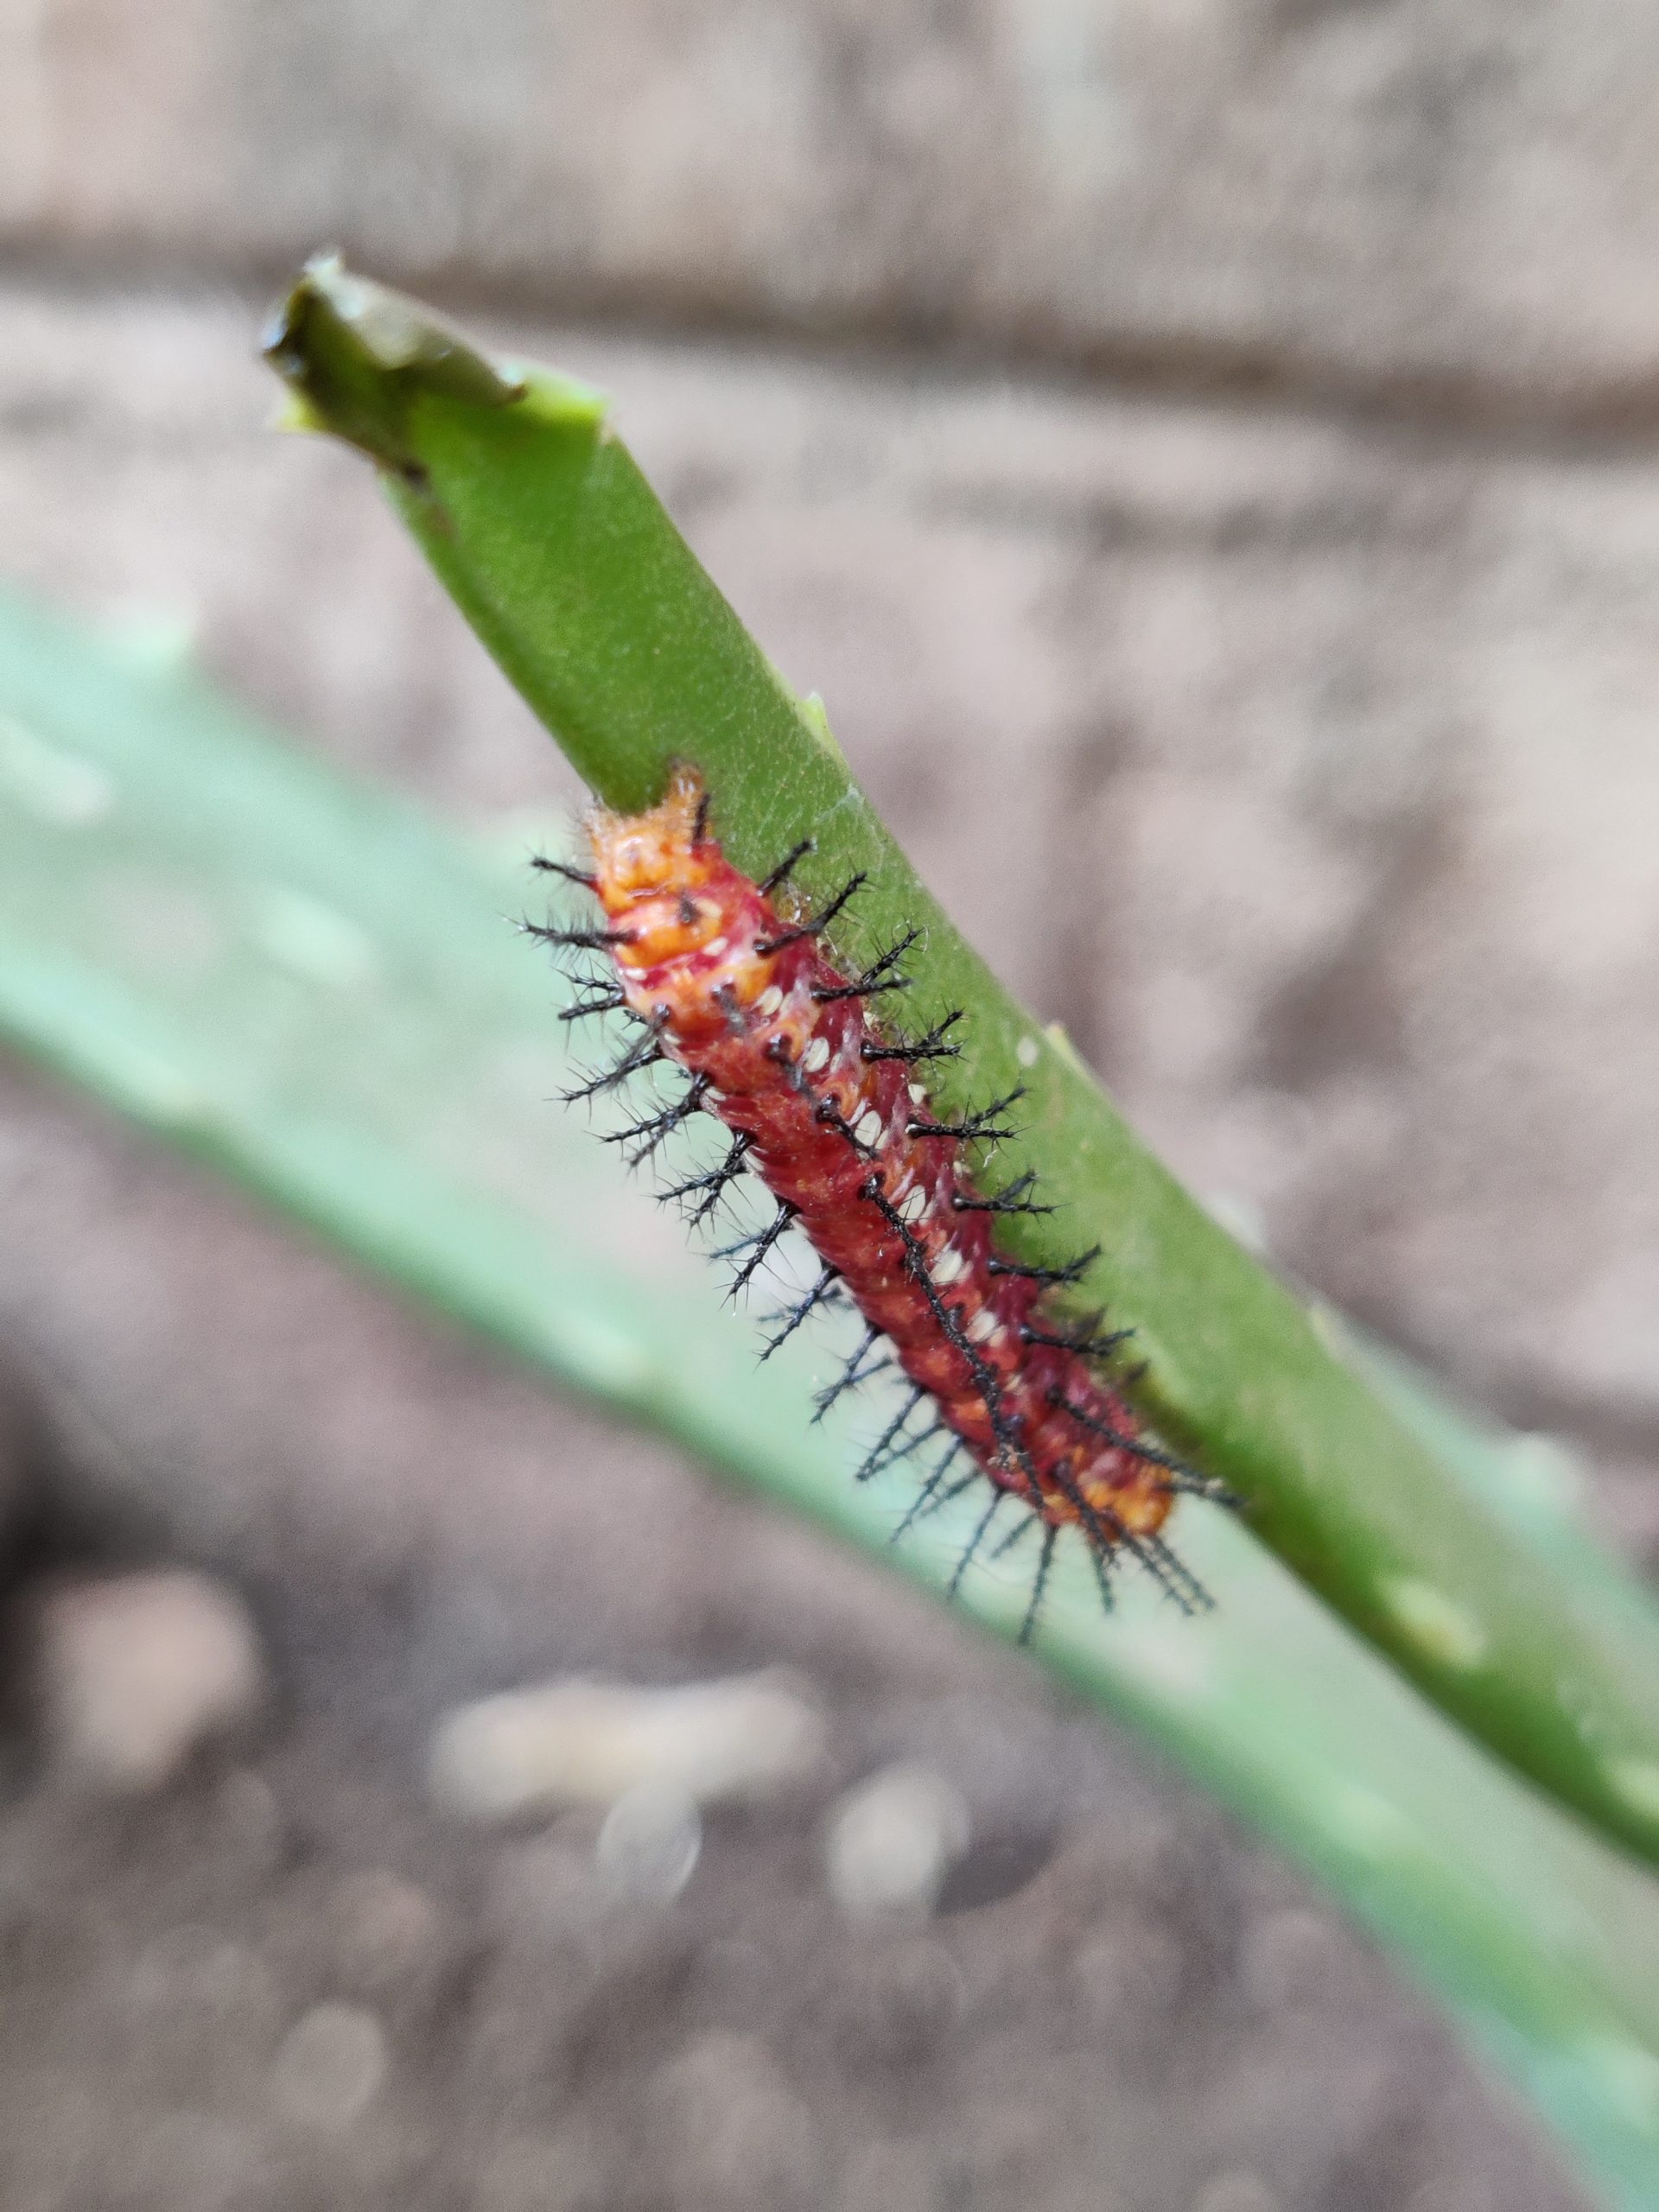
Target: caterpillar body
x=832, y=1113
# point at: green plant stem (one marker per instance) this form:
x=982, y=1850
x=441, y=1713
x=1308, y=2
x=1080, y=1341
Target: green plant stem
x=535, y=517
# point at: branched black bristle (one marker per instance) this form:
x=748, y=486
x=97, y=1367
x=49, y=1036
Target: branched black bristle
x=1052, y=1278
x=756, y=1246
x=819, y=922
x=1099, y=1522
x=641, y=1138
x=1032, y=1520
x=708, y=1188
x=1088, y=1338
x=1110, y=1434
x=1103, y=1580
x=1188, y=1483
x=592, y=974
x=1028, y=1626
x=999, y=1499
x=1107, y=1533
x=580, y=877
x=564, y=940
x=879, y=976
x=646, y=1052
x=981, y=1125
x=1178, y=1581
x=931, y=1499
x=852, y=1375
x=887, y=1448
x=1010, y=1452
x=931, y=1047
x=822, y=1293
x=611, y=1002
x=827, y=1112
x=1011, y=1199
x=785, y=866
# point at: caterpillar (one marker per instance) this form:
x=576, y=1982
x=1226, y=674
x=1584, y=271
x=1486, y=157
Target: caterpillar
x=730, y=980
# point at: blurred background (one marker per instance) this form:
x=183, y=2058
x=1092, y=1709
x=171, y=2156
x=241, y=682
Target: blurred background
x=1203, y=451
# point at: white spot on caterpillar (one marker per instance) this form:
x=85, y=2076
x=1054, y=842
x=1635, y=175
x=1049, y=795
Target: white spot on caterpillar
x=715, y=946
x=1436, y=1623
x=949, y=1266
x=1025, y=1051
x=982, y=1327
x=868, y=1128
x=818, y=1055
x=918, y=1096
x=913, y=1205
x=769, y=1002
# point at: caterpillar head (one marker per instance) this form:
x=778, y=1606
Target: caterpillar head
x=649, y=869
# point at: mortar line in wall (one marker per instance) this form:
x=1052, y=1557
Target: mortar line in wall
x=1458, y=409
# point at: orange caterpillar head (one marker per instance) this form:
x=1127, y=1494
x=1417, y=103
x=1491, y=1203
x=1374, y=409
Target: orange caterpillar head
x=649, y=869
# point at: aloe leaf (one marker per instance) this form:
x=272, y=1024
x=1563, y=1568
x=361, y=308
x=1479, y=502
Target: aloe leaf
x=307, y=983
x=532, y=512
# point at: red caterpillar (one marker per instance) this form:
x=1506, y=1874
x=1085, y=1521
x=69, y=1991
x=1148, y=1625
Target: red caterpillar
x=829, y=1113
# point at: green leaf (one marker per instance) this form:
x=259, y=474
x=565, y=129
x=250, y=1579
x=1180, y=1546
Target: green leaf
x=305, y=981
x=535, y=516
